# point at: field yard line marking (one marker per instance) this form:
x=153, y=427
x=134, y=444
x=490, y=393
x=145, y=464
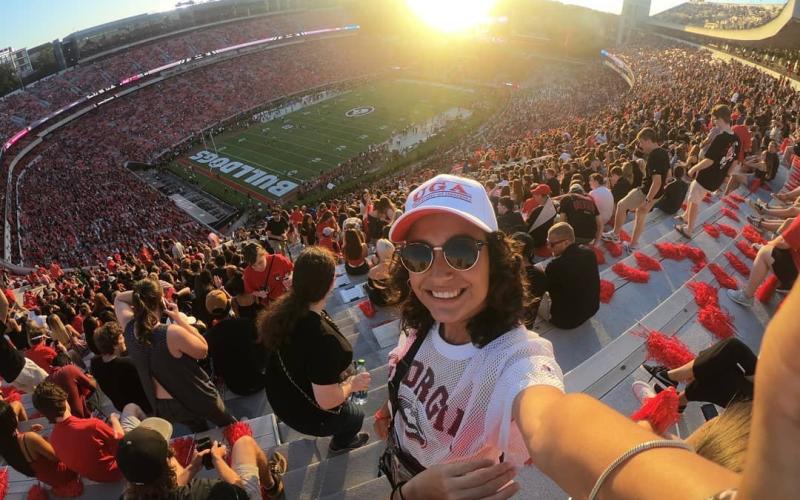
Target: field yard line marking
x=252, y=162
x=291, y=143
x=300, y=146
x=315, y=171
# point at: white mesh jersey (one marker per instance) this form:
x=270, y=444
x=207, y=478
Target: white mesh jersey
x=456, y=400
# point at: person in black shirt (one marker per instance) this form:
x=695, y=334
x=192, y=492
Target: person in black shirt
x=236, y=355
x=509, y=220
x=674, y=193
x=550, y=180
x=641, y=200
x=573, y=282
x=114, y=371
x=276, y=229
x=768, y=167
x=580, y=211
x=309, y=379
x=620, y=186
x=710, y=173
x=15, y=368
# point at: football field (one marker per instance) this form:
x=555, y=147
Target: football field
x=269, y=160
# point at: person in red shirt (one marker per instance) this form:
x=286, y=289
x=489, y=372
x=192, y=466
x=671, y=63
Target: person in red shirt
x=86, y=445
x=780, y=256
x=39, y=352
x=327, y=240
x=266, y=276
x=75, y=383
x=77, y=321
x=296, y=218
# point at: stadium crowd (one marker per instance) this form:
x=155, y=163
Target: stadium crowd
x=562, y=164
x=726, y=16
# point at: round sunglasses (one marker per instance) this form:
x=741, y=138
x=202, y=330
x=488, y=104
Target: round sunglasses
x=460, y=252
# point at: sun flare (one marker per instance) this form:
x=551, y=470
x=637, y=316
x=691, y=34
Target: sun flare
x=451, y=16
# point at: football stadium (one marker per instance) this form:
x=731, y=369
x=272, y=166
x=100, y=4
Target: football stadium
x=400, y=249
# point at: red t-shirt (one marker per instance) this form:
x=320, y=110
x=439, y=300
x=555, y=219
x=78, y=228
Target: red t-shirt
x=77, y=323
x=792, y=236
x=529, y=206
x=745, y=140
x=89, y=447
x=279, y=268
x=77, y=386
x=296, y=217
x=42, y=355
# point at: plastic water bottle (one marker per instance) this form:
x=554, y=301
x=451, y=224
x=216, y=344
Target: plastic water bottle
x=360, y=397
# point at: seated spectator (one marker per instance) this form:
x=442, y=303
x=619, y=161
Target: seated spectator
x=542, y=217
x=508, y=219
x=355, y=253
x=16, y=369
x=781, y=256
x=378, y=277
x=266, y=275
x=674, y=192
x=30, y=454
x=573, y=282
x=327, y=240
x=602, y=196
x=236, y=355
x=244, y=304
x=309, y=372
x=85, y=445
x=166, y=358
x=620, y=186
x=75, y=383
x=68, y=337
x=537, y=279
x=149, y=465
x=115, y=372
x=39, y=352
x=580, y=211
x=551, y=180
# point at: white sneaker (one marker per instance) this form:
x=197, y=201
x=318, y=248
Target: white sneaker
x=610, y=236
x=626, y=245
x=740, y=298
x=642, y=390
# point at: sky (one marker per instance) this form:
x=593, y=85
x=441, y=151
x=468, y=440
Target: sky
x=27, y=23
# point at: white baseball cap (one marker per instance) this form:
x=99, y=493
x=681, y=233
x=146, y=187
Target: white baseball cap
x=449, y=194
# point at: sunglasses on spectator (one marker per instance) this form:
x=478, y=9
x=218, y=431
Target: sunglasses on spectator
x=460, y=252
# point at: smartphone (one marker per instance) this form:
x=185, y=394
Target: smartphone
x=202, y=444
x=709, y=411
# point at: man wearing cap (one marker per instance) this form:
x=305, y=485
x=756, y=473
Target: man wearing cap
x=236, y=355
x=541, y=217
x=152, y=470
x=580, y=211
x=266, y=275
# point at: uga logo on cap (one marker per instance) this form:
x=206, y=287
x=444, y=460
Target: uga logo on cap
x=440, y=188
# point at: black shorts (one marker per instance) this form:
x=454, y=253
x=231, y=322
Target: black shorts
x=720, y=373
x=784, y=267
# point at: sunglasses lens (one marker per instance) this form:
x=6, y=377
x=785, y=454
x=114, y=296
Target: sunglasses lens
x=416, y=257
x=461, y=253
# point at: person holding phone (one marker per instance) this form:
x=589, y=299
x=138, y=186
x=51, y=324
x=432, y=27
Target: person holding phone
x=166, y=358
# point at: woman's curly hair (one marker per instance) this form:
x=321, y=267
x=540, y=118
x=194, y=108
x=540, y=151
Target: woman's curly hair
x=506, y=301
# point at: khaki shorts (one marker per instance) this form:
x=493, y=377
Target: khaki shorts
x=633, y=200
x=248, y=473
x=696, y=193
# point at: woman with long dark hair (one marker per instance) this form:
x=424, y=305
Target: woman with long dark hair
x=166, y=355
x=355, y=253
x=309, y=375
x=31, y=454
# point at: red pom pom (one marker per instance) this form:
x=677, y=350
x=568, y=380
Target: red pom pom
x=727, y=230
x=704, y=294
x=624, y=236
x=752, y=235
x=607, y=290
x=737, y=264
x=615, y=249
x=70, y=489
x=236, y=430
x=754, y=185
x=183, y=447
x=730, y=203
x=599, y=256
x=746, y=249
x=630, y=273
x=367, y=308
x=647, y=263
x=767, y=289
x=37, y=492
x=672, y=251
x=661, y=410
x=725, y=280
x=3, y=482
x=10, y=394
x=716, y=321
x=727, y=212
x=737, y=197
x=711, y=230
x=707, y=198
x=667, y=350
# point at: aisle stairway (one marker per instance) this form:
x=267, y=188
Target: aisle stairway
x=601, y=357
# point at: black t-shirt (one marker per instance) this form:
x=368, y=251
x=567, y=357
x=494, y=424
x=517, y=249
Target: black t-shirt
x=581, y=213
x=621, y=189
x=657, y=164
x=555, y=187
x=511, y=222
x=674, y=194
x=277, y=228
x=119, y=380
x=11, y=360
x=316, y=353
x=573, y=283
x=237, y=356
x=723, y=151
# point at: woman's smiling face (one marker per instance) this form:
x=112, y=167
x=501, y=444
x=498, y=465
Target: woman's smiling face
x=450, y=296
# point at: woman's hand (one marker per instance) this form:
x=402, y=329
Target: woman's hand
x=361, y=381
x=477, y=479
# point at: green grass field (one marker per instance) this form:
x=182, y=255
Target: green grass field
x=303, y=144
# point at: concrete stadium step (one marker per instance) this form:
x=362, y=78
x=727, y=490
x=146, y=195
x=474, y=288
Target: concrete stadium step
x=375, y=489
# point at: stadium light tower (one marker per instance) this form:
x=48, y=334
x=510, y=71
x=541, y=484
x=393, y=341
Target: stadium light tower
x=634, y=13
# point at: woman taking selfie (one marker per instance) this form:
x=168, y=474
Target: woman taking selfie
x=309, y=374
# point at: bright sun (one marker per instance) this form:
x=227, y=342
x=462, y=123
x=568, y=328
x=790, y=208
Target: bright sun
x=452, y=15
